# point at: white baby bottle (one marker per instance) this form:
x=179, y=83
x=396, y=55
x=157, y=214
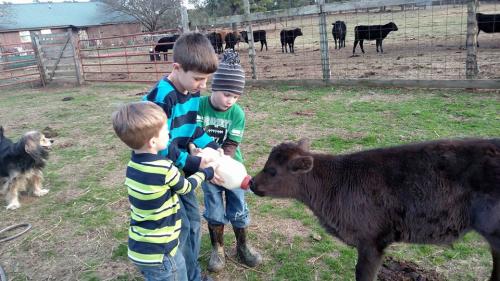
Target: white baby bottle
x=233, y=173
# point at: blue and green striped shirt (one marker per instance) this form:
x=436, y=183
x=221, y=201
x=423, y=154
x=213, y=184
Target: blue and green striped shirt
x=153, y=184
x=181, y=112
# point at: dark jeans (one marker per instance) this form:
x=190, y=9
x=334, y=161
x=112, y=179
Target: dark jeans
x=190, y=237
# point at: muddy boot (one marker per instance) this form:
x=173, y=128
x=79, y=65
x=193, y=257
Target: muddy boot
x=217, y=258
x=244, y=252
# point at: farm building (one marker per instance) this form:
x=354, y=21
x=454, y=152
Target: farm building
x=52, y=30
x=88, y=19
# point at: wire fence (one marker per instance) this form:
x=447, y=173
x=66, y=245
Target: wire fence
x=429, y=43
x=424, y=44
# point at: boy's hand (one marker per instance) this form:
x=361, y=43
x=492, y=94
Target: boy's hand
x=217, y=180
x=206, y=162
x=193, y=150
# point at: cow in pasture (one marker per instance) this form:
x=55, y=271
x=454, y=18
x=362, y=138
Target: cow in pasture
x=487, y=23
x=425, y=193
x=231, y=39
x=162, y=46
x=258, y=36
x=287, y=37
x=372, y=32
x=215, y=39
x=339, y=31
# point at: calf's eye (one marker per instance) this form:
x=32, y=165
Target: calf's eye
x=270, y=171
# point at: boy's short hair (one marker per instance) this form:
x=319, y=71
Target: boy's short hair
x=136, y=123
x=194, y=52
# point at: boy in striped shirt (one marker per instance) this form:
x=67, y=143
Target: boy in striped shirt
x=154, y=184
x=194, y=60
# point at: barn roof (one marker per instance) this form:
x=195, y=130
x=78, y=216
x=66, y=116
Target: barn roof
x=51, y=15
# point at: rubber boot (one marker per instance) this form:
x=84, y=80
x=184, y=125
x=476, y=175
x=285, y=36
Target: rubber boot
x=244, y=252
x=217, y=259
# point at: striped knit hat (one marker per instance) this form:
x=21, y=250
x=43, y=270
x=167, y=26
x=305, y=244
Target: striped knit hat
x=230, y=76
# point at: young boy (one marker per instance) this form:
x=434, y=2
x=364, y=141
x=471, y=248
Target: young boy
x=224, y=120
x=153, y=184
x=179, y=95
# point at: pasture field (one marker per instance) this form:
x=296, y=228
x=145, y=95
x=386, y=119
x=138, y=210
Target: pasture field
x=429, y=44
x=80, y=228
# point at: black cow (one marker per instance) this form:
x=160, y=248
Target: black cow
x=231, y=39
x=430, y=193
x=487, y=23
x=258, y=35
x=162, y=46
x=287, y=37
x=372, y=32
x=216, y=41
x=339, y=31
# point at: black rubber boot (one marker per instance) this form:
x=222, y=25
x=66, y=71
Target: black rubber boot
x=244, y=252
x=217, y=259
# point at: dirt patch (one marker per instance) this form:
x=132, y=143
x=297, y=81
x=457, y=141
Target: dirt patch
x=393, y=270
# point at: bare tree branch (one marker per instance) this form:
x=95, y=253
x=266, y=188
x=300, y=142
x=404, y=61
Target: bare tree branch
x=152, y=14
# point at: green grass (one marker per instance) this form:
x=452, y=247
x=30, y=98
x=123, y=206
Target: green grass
x=80, y=228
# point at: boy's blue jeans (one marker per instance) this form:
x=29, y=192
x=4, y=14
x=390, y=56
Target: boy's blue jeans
x=172, y=269
x=190, y=237
x=235, y=211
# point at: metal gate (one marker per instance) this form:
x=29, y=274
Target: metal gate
x=56, y=55
x=135, y=57
x=18, y=65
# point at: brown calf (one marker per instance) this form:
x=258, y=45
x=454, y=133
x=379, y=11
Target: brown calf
x=429, y=193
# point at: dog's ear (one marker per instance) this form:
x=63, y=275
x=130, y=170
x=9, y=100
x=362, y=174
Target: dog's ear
x=31, y=143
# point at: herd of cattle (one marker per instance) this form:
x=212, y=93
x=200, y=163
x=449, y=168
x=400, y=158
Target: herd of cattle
x=489, y=23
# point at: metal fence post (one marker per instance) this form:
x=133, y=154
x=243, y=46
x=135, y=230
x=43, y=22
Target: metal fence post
x=471, y=69
x=323, y=33
x=251, y=47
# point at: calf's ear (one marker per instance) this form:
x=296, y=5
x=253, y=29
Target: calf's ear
x=300, y=165
x=304, y=144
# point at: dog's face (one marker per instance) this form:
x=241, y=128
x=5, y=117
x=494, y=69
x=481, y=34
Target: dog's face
x=36, y=145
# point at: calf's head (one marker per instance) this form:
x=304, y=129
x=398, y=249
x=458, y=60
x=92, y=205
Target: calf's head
x=393, y=26
x=286, y=163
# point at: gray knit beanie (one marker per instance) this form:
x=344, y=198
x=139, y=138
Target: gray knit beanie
x=230, y=76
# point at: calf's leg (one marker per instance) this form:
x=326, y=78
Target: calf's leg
x=369, y=260
x=361, y=45
x=354, y=47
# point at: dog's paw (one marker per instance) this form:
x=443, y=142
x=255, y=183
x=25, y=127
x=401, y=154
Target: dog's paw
x=41, y=192
x=13, y=206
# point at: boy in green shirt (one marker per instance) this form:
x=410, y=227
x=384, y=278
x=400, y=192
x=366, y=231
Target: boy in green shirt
x=224, y=121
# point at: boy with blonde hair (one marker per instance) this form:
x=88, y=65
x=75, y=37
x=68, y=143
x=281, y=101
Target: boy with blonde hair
x=154, y=184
